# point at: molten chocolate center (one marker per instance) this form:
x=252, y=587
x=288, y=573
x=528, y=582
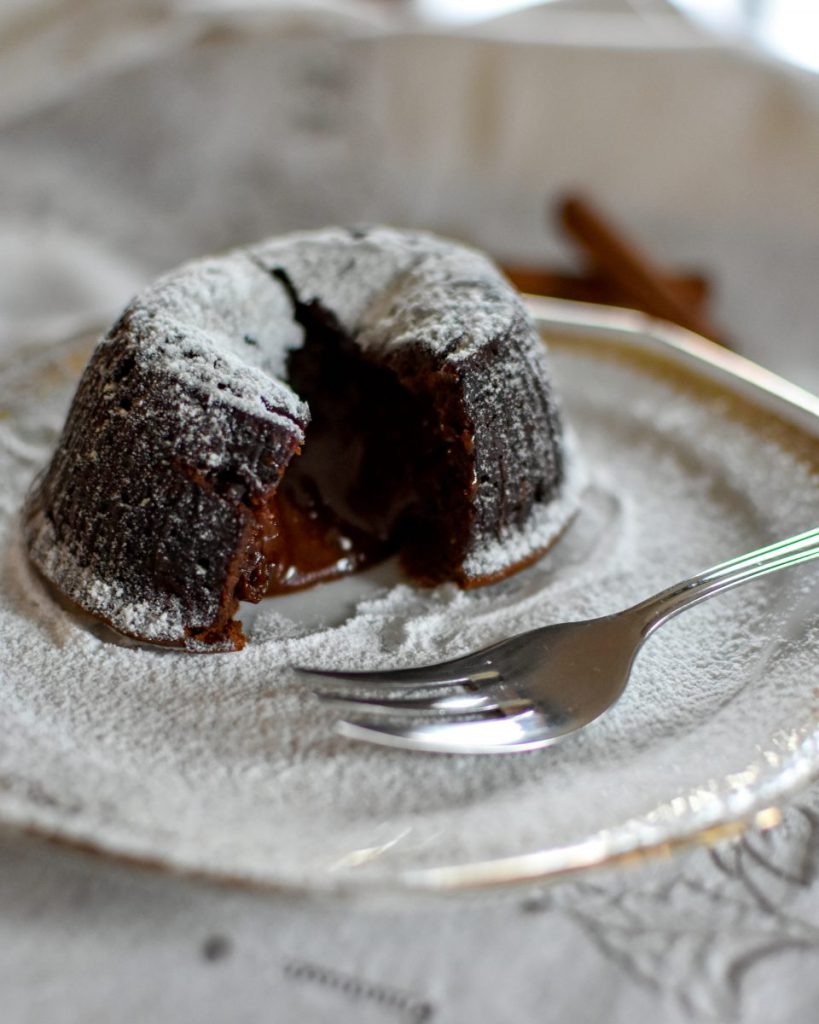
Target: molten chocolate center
x=378, y=461
x=293, y=546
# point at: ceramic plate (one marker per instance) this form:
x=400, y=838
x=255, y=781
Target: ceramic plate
x=224, y=765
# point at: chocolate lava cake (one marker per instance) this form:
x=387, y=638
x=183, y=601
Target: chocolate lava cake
x=290, y=412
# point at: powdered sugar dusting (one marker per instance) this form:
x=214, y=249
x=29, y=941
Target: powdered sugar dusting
x=221, y=325
x=227, y=763
x=156, y=620
x=181, y=414
x=546, y=522
x=390, y=288
x=386, y=287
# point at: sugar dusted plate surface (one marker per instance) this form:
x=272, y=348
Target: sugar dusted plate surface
x=225, y=765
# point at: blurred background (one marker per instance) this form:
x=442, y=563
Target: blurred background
x=788, y=29
x=136, y=134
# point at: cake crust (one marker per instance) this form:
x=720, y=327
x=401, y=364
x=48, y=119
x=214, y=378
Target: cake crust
x=193, y=406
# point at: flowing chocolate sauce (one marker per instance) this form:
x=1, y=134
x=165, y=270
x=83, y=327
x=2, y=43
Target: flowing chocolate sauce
x=295, y=545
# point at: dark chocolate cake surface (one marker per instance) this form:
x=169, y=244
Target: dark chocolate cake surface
x=188, y=416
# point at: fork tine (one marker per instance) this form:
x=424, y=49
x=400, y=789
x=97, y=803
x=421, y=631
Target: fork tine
x=475, y=668
x=453, y=704
x=493, y=734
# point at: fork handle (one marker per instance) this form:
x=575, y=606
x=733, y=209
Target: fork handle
x=781, y=555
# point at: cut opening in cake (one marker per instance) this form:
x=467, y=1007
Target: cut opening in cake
x=385, y=468
x=205, y=461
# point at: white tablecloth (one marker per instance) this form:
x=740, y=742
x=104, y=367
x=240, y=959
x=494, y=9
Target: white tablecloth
x=714, y=937
x=132, y=136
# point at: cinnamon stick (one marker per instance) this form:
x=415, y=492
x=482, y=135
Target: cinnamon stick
x=595, y=286
x=631, y=269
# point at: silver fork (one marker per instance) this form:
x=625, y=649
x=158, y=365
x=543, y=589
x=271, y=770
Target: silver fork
x=535, y=688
